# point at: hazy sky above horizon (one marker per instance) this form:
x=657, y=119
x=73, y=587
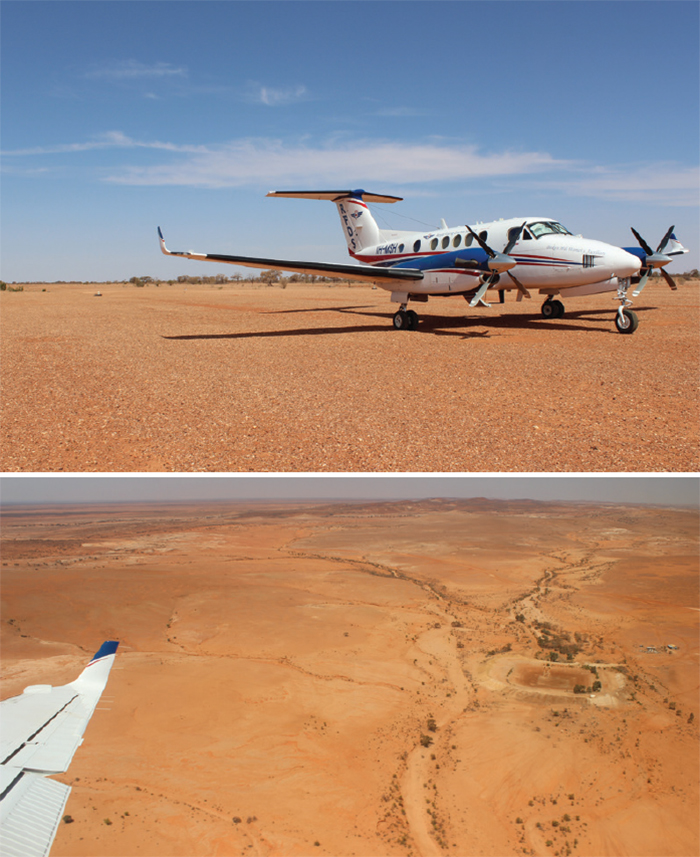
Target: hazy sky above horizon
x=662, y=490
x=119, y=117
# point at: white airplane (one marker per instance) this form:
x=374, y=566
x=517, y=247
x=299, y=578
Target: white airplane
x=536, y=253
x=41, y=730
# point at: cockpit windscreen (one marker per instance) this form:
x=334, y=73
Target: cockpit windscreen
x=547, y=227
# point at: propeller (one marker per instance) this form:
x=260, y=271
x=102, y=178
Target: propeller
x=654, y=260
x=499, y=263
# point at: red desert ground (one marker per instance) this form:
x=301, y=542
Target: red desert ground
x=438, y=677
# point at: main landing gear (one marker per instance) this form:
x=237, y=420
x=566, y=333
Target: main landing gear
x=405, y=319
x=552, y=309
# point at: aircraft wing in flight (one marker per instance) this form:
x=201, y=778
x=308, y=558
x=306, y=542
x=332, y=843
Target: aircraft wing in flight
x=41, y=730
x=365, y=273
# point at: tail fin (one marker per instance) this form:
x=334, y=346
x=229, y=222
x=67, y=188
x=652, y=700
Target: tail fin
x=359, y=226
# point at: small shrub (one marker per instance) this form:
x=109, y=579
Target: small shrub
x=67, y=819
x=426, y=740
x=107, y=821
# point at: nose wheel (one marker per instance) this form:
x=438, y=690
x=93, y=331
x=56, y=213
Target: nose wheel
x=626, y=321
x=406, y=319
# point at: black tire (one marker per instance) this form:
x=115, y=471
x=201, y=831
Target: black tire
x=558, y=309
x=412, y=319
x=628, y=323
x=552, y=309
x=401, y=320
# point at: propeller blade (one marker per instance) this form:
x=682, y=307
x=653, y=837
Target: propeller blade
x=642, y=282
x=482, y=291
x=642, y=243
x=669, y=279
x=664, y=240
x=514, y=240
x=520, y=286
x=480, y=241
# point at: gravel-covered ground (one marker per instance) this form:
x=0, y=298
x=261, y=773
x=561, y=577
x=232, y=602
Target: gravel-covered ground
x=314, y=378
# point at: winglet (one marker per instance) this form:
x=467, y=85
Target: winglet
x=93, y=678
x=163, y=248
x=109, y=647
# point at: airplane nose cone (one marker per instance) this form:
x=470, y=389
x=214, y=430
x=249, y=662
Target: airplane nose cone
x=625, y=264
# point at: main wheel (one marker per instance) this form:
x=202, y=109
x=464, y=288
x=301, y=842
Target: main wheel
x=552, y=309
x=401, y=320
x=628, y=322
x=412, y=319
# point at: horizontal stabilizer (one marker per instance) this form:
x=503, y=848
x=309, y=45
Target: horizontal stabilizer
x=333, y=195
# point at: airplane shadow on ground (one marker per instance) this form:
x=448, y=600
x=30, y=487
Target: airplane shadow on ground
x=432, y=324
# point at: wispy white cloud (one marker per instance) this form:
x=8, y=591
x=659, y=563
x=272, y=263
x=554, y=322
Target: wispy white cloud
x=661, y=183
x=134, y=69
x=275, y=96
x=108, y=140
x=255, y=161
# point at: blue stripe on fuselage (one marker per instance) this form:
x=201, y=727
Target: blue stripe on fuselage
x=444, y=260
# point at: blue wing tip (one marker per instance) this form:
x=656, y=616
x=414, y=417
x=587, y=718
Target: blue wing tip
x=160, y=234
x=109, y=647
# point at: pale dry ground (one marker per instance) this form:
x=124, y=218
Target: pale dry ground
x=313, y=378
x=279, y=666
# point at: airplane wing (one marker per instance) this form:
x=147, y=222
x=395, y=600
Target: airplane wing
x=365, y=273
x=41, y=730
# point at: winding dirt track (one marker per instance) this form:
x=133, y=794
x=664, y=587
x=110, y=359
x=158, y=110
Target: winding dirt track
x=312, y=378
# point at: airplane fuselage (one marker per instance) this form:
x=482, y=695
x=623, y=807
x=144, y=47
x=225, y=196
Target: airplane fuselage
x=550, y=261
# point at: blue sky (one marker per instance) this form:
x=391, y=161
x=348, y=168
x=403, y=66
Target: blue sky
x=121, y=116
x=656, y=490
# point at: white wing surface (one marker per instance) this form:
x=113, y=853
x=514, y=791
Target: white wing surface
x=41, y=730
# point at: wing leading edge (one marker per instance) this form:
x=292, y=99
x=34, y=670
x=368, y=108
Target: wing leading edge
x=363, y=273
x=41, y=730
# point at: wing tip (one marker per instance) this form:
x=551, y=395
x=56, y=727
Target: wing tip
x=109, y=647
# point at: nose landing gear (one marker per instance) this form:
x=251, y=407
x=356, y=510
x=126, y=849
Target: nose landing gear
x=626, y=321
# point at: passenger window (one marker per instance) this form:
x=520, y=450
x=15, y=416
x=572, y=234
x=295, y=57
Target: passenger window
x=445, y=242
x=468, y=239
x=400, y=248
x=484, y=235
x=433, y=244
x=457, y=241
x=416, y=246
